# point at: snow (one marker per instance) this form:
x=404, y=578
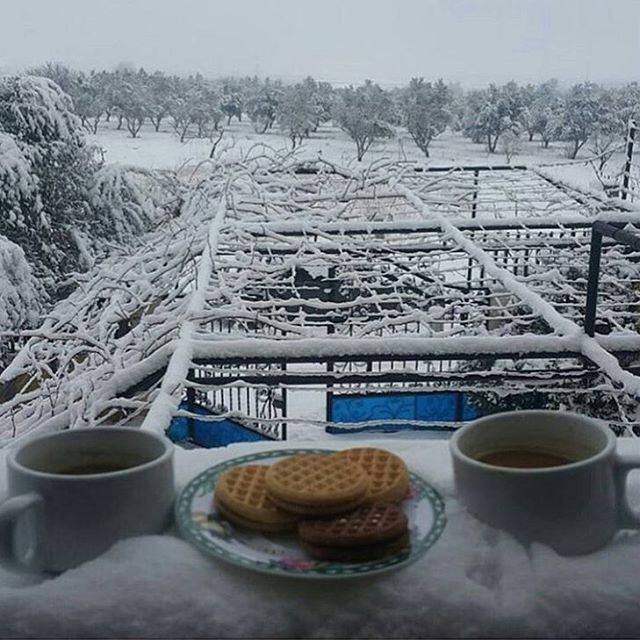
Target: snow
x=474, y=582
x=561, y=325
x=163, y=150
x=168, y=398
x=19, y=290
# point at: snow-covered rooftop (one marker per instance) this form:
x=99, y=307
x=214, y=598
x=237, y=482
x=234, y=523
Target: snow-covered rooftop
x=275, y=277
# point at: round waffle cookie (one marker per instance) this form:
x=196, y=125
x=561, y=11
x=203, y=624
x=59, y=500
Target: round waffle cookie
x=364, y=553
x=388, y=474
x=263, y=527
x=305, y=510
x=367, y=533
x=317, y=483
x=241, y=496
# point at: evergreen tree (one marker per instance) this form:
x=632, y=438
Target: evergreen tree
x=56, y=203
x=38, y=117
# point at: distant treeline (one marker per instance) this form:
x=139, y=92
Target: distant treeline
x=498, y=116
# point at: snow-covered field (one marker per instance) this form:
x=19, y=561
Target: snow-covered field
x=163, y=149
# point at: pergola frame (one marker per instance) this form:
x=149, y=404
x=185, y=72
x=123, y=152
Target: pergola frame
x=358, y=272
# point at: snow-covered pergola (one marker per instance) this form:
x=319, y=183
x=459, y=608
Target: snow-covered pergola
x=279, y=277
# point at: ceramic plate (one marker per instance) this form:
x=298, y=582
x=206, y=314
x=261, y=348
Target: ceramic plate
x=279, y=553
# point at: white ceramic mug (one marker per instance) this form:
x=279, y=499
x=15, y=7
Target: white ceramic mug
x=56, y=517
x=575, y=508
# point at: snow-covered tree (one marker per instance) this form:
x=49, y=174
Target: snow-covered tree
x=325, y=98
x=56, y=204
x=581, y=115
x=180, y=109
x=262, y=103
x=20, y=205
x=543, y=114
x=628, y=103
x=490, y=112
x=135, y=104
x=232, y=99
x=510, y=144
x=366, y=114
x=204, y=103
x=21, y=294
x=62, y=75
x=39, y=118
x=427, y=111
x=121, y=207
x=529, y=93
x=298, y=112
x=89, y=100
x=159, y=93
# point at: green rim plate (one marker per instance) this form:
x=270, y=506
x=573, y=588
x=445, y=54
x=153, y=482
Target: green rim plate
x=280, y=554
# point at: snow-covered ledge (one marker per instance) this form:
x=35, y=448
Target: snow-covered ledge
x=475, y=582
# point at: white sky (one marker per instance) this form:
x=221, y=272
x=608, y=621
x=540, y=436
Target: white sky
x=342, y=41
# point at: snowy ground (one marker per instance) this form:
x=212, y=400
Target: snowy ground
x=163, y=149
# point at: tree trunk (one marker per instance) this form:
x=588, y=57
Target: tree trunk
x=120, y=119
x=228, y=120
x=215, y=143
x=530, y=136
x=574, y=151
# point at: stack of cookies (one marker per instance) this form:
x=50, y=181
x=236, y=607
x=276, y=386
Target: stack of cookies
x=343, y=505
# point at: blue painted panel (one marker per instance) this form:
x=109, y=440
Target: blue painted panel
x=440, y=406
x=374, y=407
x=469, y=412
x=211, y=434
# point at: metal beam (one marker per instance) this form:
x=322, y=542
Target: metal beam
x=297, y=379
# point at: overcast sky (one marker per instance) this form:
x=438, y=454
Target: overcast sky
x=342, y=41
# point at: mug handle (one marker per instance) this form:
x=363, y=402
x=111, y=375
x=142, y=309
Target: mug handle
x=624, y=463
x=11, y=511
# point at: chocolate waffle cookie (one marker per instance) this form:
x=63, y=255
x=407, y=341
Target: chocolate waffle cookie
x=388, y=474
x=368, y=533
x=316, y=484
x=241, y=497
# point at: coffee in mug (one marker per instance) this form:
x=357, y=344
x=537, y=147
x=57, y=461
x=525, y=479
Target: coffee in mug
x=548, y=476
x=74, y=493
x=526, y=458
